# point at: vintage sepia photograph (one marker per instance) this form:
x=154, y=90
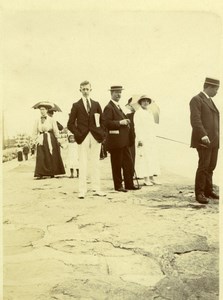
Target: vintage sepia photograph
x=110, y=124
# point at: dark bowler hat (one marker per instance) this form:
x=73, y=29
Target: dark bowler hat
x=212, y=81
x=116, y=88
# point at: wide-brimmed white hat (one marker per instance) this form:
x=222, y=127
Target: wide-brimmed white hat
x=152, y=106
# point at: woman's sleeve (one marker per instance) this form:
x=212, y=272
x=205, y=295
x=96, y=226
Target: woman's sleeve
x=138, y=126
x=35, y=131
x=55, y=128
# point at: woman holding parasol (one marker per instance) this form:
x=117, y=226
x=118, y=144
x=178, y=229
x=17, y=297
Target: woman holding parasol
x=145, y=119
x=48, y=158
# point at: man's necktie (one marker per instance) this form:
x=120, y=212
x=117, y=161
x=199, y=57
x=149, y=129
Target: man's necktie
x=121, y=110
x=88, y=106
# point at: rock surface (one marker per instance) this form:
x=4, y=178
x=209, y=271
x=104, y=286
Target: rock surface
x=155, y=243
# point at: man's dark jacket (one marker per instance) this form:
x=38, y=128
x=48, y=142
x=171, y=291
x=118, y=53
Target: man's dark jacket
x=80, y=123
x=204, y=119
x=118, y=136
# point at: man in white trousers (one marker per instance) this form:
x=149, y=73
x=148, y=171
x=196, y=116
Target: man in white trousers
x=85, y=122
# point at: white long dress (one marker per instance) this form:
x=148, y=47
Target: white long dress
x=147, y=155
x=72, y=156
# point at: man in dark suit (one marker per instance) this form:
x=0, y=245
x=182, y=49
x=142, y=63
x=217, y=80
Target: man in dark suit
x=85, y=122
x=118, y=141
x=204, y=117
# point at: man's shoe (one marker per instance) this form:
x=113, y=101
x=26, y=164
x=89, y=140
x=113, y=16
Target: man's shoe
x=202, y=199
x=134, y=188
x=212, y=195
x=121, y=189
x=81, y=196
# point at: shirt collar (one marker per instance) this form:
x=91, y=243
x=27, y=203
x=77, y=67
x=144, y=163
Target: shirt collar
x=116, y=103
x=84, y=99
x=205, y=94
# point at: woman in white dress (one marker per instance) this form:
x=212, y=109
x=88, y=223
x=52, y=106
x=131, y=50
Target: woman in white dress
x=147, y=165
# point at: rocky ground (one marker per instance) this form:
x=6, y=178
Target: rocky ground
x=156, y=243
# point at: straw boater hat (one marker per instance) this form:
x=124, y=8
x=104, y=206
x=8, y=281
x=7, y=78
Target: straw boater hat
x=116, y=88
x=212, y=81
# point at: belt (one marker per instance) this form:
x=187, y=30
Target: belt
x=40, y=139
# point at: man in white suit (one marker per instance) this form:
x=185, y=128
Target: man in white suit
x=85, y=122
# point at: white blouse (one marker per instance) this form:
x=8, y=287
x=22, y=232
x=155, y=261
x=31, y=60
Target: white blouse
x=49, y=125
x=145, y=128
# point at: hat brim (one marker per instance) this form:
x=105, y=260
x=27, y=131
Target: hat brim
x=46, y=104
x=114, y=90
x=141, y=99
x=43, y=105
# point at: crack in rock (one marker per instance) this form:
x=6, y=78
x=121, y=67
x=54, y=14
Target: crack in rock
x=189, y=251
x=51, y=245
x=170, y=196
x=107, y=266
x=85, y=225
x=80, y=226
x=29, y=245
x=51, y=225
x=66, y=294
x=165, y=260
x=73, y=219
x=58, y=290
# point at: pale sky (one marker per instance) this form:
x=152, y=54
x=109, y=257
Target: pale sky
x=167, y=55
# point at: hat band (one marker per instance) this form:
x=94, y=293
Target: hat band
x=212, y=83
x=116, y=88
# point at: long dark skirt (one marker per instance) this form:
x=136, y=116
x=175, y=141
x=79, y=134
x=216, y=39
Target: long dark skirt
x=20, y=156
x=48, y=164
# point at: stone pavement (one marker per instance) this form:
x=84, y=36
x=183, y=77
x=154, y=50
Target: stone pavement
x=156, y=243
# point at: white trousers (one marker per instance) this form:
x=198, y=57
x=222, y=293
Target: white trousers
x=89, y=159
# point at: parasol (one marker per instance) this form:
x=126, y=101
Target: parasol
x=156, y=111
x=51, y=105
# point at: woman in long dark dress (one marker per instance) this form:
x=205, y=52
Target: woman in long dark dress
x=48, y=158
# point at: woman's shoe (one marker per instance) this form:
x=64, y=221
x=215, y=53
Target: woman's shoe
x=149, y=183
x=156, y=181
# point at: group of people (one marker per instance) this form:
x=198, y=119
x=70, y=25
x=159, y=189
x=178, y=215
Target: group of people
x=129, y=137
x=23, y=152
